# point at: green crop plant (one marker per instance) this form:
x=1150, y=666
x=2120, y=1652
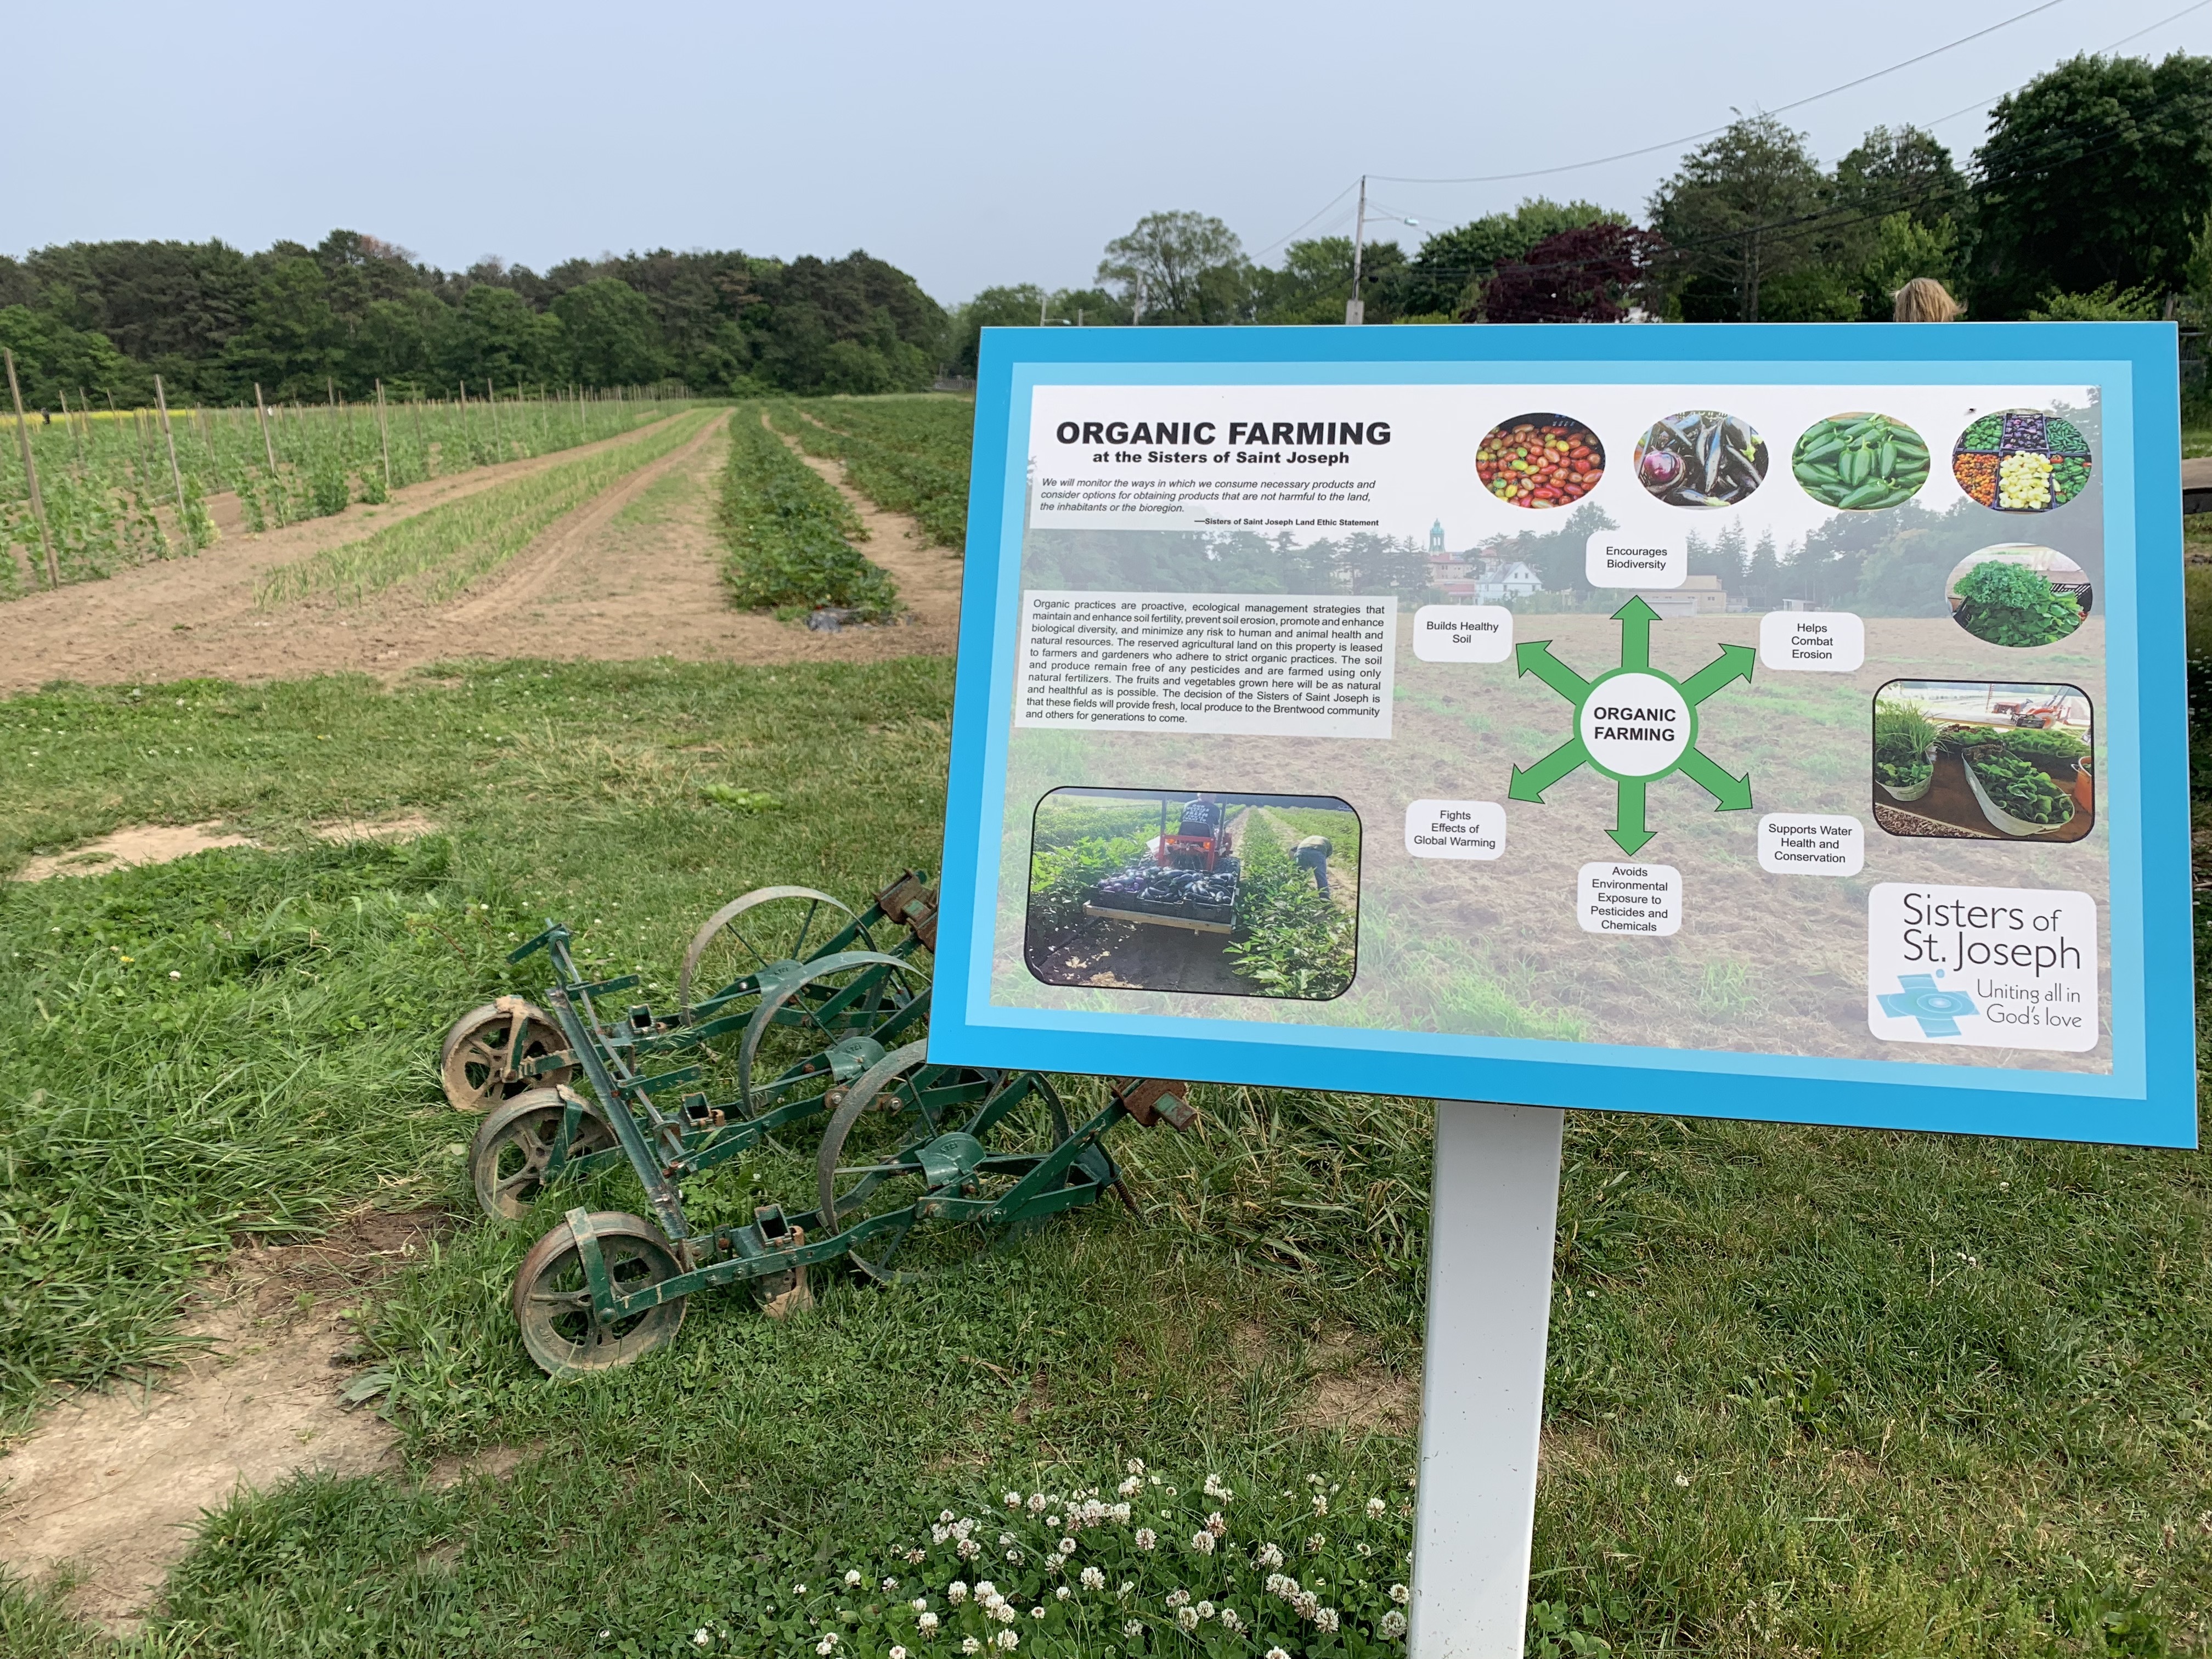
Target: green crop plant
x=1294, y=940
x=2030, y=744
x=906, y=455
x=1063, y=879
x=2022, y=788
x=111, y=500
x=2008, y=603
x=790, y=536
x=1903, y=734
x=445, y=548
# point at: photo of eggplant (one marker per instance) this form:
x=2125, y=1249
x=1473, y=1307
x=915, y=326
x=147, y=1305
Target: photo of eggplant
x=1860, y=461
x=1701, y=458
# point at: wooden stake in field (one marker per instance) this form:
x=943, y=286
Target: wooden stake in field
x=31, y=474
x=491, y=393
x=267, y=444
x=176, y=473
x=384, y=437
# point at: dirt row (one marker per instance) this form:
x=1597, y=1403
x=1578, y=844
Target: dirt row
x=632, y=573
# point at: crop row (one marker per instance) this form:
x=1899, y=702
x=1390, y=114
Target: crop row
x=906, y=455
x=790, y=536
x=113, y=496
x=443, y=549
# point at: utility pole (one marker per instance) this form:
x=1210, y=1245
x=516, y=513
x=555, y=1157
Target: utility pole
x=1041, y=298
x=1355, y=313
x=1138, y=319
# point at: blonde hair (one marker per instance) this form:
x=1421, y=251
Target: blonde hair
x=1924, y=300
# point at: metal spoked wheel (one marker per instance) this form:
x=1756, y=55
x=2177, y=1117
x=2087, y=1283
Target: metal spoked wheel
x=553, y=1300
x=768, y=925
x=886, y=1151
x=483, y=1048
x=514, y=1143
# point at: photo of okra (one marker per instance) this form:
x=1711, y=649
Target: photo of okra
x=1860, y=461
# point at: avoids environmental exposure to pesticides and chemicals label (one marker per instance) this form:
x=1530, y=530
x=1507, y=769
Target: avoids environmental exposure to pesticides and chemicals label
x=1779, y=723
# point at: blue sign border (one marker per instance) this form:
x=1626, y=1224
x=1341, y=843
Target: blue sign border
x=2150, y=1097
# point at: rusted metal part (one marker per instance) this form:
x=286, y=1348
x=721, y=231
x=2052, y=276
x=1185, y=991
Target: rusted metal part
x=910, y=900
x=1151, y=1100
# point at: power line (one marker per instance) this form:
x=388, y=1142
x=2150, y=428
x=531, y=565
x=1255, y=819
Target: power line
x=1984, y=103
x=1691, y=138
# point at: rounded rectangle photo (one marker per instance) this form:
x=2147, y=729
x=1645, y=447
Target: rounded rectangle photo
x=1206, y=892
x=1983, y=760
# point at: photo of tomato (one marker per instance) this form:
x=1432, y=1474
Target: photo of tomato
x=1540, y=460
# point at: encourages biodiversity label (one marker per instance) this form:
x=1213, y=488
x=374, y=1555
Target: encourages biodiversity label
x=1791, y=718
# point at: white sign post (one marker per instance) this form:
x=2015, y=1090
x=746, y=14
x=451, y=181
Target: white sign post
x=1493, y=1203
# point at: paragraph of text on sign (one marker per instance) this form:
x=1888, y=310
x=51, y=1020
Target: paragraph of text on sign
x=1295, y=665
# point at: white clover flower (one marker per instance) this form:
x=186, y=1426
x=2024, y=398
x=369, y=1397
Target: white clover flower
x=969, y=1644
x=1335, y=1487
x=1231, y=1621
x=1062, y=1593
x=1006, y=1537
x=1037, y=1612
x=799, y=1589
x=1316, y=1542
x=1214, y=1489
x=968, y=1549
x=897, y=1652
x=1216, y=1524
x=1013, y=1558
x=1093, y=1579
x=1127, y=1586
x=1393, y=1625
x=1269, y=1556
x=1009, y=1640
x=928, y=1622
x=1051, y=1523
x=1325, y=1621
x=1281, y=1585
x=1146, y=1538
x=956, y=1592
x=1155, y=1480
x=1306, y=1604
x=700, y=1637
x=891, y=1585
x=939, y=1535
x=1133, y=1628
x=1037, y=1502
x=1681, y=1479
x=1401, y=1594
x=1122, y=1515
x=1365, y=1549
x=986, y=1591
x=1131, y=1487
x=1068, y=1546
x=915, y=1558
x=1187, y=1619
x=852, y=1575
x=1177, y=1597
x=1320, y=1502
x=826, y=1646
x=1277, y=1653
x=1375, y=1508
x=919, y=1604
x=1202, y=1541
x=945, y=1517
x=1135, y=1466
x=1013, y=1500
x=1206, y=1609
x=1004, y=1612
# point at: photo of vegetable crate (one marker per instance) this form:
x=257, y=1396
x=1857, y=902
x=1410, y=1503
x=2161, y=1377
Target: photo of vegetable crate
x=2021, y=460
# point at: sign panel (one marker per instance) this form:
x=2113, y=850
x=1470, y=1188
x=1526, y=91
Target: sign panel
x=1777, y=722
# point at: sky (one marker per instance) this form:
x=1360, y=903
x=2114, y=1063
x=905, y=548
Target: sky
x=970, y=144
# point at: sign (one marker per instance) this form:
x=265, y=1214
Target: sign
x=1782, y=722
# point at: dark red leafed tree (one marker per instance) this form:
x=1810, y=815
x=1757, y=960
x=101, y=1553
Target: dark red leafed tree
x=1579, y=276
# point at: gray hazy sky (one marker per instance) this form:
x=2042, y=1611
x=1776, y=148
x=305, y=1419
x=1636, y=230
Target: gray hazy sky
x=972, y=144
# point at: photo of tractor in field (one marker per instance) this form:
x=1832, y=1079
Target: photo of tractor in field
x=1194, y=891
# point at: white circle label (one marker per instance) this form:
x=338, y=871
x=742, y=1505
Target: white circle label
x=1636, y=726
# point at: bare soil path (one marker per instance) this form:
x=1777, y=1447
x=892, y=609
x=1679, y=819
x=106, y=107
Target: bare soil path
x=928, y=577
x=110, y=1487
x=632, y=573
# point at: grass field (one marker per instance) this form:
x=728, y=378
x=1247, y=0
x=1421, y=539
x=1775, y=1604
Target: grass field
x=1809, y=1391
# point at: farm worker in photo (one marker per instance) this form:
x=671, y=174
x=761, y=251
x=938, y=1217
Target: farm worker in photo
x=1924, y=300
x=1313, y=853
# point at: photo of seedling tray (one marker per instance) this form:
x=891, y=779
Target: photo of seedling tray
x=2021, y=460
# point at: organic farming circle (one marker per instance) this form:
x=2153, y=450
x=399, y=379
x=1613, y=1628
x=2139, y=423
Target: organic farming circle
x=1636, y=724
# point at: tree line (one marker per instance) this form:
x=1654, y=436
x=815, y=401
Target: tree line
x=2090, y=197
x=305, y=323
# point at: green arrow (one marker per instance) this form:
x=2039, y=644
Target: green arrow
x=1531, y=784
x=1636, y=618
x=1734, y=794
x=1733, y=662
x=1535, y=658
x=1628, y=832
